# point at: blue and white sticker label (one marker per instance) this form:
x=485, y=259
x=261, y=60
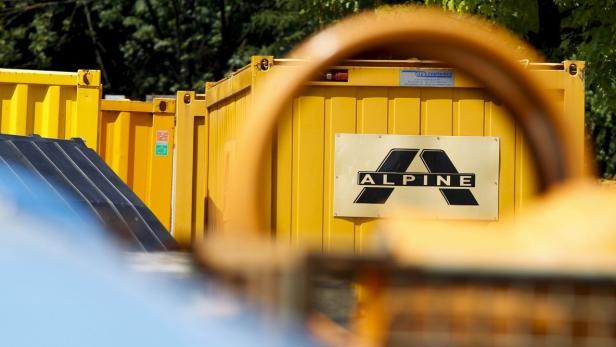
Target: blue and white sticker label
x=426, y=78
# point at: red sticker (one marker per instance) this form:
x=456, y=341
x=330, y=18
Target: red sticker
x=162, y=136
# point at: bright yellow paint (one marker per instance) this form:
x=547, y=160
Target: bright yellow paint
x=283, y=175
x=371, y=102
x=127, y=142
x=372, y=107
x=340, y=110
x=307, y=174
x=191, y=162
x=47, y=103
x=232, y=100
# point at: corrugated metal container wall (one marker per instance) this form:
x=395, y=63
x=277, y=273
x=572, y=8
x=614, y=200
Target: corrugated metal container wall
x=51, y=104
x=372, y=101
x=191, y=166
x=136, y=141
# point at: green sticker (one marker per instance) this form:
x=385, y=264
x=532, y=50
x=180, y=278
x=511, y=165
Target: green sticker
x=161, y=150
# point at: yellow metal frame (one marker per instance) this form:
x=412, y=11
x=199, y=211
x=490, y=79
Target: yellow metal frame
x=190, y=168
x=51, y=104
x=128, y=145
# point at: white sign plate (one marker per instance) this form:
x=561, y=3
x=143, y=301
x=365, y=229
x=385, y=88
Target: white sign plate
x=448, y=177
x=426, y=78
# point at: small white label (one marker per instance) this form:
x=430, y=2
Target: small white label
x=426, y=78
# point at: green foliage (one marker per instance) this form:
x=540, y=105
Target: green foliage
x=568, y=29
x=589, y=33
x=519, y=16
x=156, y=46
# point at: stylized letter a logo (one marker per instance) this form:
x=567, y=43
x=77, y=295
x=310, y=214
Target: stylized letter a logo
x=392, y=172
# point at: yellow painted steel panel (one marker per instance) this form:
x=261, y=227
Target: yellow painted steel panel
x=86, y=126
x=140, y=131
x=18, y=124
x=468, y=112
x=224, y=120
x=404, y=115
x=47, y=103
x=308, y=152
x=282, y=203
x=340, y=111
x=161, y=167
x=50, y=124
x=501, y=125
x=113, y=146
x=372, y=101
x=130, y=134
x=199, y=186
x=214, y=168
x=39, y=77
x=525, y=178
x=573, y=94
x=372, y=107
x=436, y=111
x=191, y=161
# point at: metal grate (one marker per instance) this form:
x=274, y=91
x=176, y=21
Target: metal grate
x=472, y=310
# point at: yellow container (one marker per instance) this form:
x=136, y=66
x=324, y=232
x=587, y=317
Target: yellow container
x=191, y=166
x=136, y=141
x=51, y=104
x=370, y=101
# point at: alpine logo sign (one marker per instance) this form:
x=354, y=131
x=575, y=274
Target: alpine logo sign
x=446, y=176
x=392, y=172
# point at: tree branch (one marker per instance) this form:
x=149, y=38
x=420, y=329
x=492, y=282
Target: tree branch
x=92, y=33
x=154, y=16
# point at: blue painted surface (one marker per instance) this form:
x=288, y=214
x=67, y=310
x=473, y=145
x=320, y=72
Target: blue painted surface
x=64, y=283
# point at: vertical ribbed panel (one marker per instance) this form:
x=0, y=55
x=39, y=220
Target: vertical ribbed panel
x=340, y=117
x=307, y=172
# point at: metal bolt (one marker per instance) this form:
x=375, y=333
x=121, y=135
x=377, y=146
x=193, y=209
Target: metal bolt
x=162, y=106
x=264, y=65
x=86, y=78
x=187, y=98
x=572, y=69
